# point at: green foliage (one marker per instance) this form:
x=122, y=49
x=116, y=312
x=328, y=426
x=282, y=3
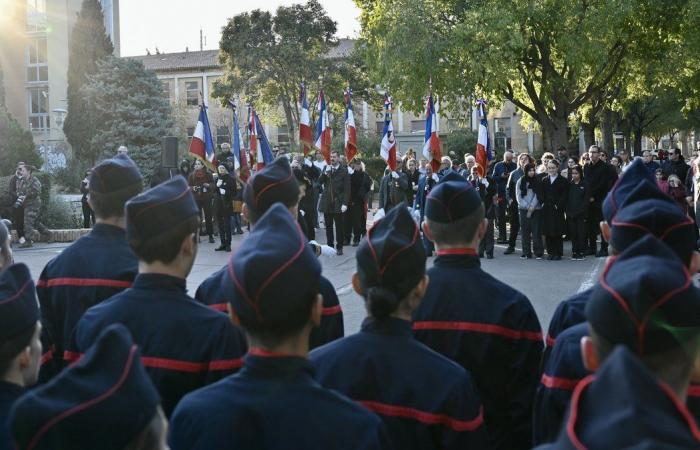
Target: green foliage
x=89, y=43
x=130, y=109
x=460, y=142
x=61, y=215
x=368, y=143
x=16, y=145
x=68, y=178
x=374, y=166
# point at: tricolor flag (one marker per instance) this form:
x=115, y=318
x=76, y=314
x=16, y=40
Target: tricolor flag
x=432, y=146
x=483, y=149
x=237, y=139
x=350, y=131
x=202, y=145
x=305, y=133
x=323, y=129
x=260, y=150
x=388, y=148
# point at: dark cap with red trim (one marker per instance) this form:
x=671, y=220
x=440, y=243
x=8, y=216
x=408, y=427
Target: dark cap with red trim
x=630, y=178
x=273, y=271
x=19, y=309
x=645, y=300
x=274, y=183
x=114, y=174
x=647, y=210
x=159, y=209
x=104, y=401
x=453, y=198
x=392, y=256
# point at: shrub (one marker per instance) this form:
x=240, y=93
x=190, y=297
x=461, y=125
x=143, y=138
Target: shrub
x=60, y=214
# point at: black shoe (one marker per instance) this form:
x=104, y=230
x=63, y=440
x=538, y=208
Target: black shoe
x=601, y=254
x=538, y=256
x=211, y=239
x=523, y=256
x=556, y=258
x=509, y=251
x=489, y=256
x=228, y=249
x=355, y=243
x=339, y=252
x=220, y=248
x=481, y=255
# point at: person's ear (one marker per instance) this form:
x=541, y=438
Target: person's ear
x=24, y=359
x=605, y=230
x=356, y=285
x=188, y=246
x=232, y=314
x=317, y=311
x=419, y=292
x=591, y=360
x=694, y=263
x=426, y=231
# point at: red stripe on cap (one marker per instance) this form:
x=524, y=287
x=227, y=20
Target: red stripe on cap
x=76, y=409
x=573, y=416
x=486, y=328
x=456, y=251
x=567, y=384
x=219, y=306
x=425, y=417
x=331, y=310
x=18, y=294
x=692, y=425
x=84, y=282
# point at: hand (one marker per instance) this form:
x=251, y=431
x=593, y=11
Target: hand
x=350, y=171
x=219, y=183
x=591, y=200
x=343, y=208
x=394, y=175
x=435, y=177
x=327, y=250
x=307, y=162
x=222, y=191
x=689, y=200
x=328, y=169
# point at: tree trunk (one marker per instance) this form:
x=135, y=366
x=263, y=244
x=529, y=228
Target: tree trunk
x=638, y=142
x=588, y=134
x=606, y=126
x=291, y=129
x=555, y=133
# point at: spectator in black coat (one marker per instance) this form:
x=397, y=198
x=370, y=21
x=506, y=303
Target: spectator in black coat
x=576, y=206
x=413, y=175
x=600, y=177
x=88, y=213
x=223, y=206
x=486, y=188
x=554, y=196
x=360, y=185
x=675, y=165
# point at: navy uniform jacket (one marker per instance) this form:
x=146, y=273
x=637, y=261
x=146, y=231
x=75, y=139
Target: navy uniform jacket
x=624, y=405
x=92, y=269
x=273, y=403
x=184, y=345
x=331, y=328
x=492, y=331
x=9, y=393
x=570, y=312
x=437, y=406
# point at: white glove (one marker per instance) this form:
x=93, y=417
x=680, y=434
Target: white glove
x=328, y=169
x=378, y=215
x=343, y=208
x=327, y=250
x=435, y=177
x=219, y=183
x=302, y=212
x=307, y=162
x=485, y=182
x=415, y=187
x=222, y=191
x=295, y=164
x=350, y=171
x=394, y=175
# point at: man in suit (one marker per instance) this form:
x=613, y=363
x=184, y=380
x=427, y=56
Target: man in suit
x=334, y=200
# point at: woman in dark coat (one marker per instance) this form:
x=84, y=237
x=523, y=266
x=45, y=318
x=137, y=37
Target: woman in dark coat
x=202, y=183
x=576, y=207
x=223, y=201
x=554, y=195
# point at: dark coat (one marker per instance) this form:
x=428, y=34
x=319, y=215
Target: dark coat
x=91, y=270
x=570, y=312
x=413, y=179
x=600, y=178
x=331, y=328
x=202, y=183
x=370, y=367
x=678, y=167
x=501, y=174
x=224, y=202
x=492, y=331
x=360, y=185
x=577, y=199
x=392, y=191
x=184, y=345
x=425, y=185
x=554, y=196
x=487, y=193
x=273, y=403
x=336, y=190
x=9, y=393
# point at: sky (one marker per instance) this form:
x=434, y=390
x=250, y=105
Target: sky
x=171, y=25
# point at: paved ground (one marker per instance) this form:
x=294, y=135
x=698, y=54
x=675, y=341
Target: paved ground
x=545, y=283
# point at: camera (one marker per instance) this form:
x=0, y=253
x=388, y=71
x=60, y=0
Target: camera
x=19, y=202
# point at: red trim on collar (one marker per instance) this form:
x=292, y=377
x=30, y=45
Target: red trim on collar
x=567, y=384
x=257, y=351
x=457, y=251
x=223, y=307
x=692, y=425
x=424, y=416
x=573, y=416
x=84, y=282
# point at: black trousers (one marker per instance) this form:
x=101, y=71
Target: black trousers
x=501, y=208
x=223, y=221
x=337, y=220
x=577, y=233
x=347, y=225
x=18, y=220
x=359, y=221
x=205, y=208
x=486, y=244
x=595, y=216
x=555, y=245
x=88, y=216
x=514, y=221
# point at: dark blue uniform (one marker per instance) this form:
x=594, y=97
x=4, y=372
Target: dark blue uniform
x=331, y=328
x=184, y=344
x=94, y=268
x=625, y=406
x=492, y=331
x=426, y=401
x=9, y=393
x=273, y=403
x=570, y=312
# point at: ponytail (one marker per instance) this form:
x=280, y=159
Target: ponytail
x=381, y=302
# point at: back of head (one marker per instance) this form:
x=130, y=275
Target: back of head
x=636, y=173
x=454, y=211
x=274, y=183
x=111, y=184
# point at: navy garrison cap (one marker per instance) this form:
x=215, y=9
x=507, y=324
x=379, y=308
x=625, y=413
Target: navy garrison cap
x=114, y=174
x=647, y=210
x=105, y=400
x=393, y=255
x=272, y=272
x=453, y=198
x=645, y=300
x=159, y=209
x=274, y=183
x=635, y=174
x=19, y=309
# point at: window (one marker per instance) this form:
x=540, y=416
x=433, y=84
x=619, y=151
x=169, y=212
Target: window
x=417, y=125
x=282, y=134
x=380, y=127
x=190, y=132
x=37, y=68
x=38, y=108
x=222, y=135
x=165, y=87
x=502, y=134
x=192, y=90
x=36, y=16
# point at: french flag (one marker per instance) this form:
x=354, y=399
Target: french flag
x=202, y=145
x=260, y=150
x=237, y=139
x=350, y=131
x=305, y=133
x=388, y=148
x=323, y=129
x=483, y=150
x=432, y=146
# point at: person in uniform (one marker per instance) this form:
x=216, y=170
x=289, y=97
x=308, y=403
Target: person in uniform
x=29, y=198
x=202, y=183
x=93, y=268
x=360, y=185
x=383, y=367
x=185, y=345
x=425, y=185
x=104, y=401
x=20, y=344
x=223, y=200
x=501, y=173
x=486, y=326
x=644, y=324
x=334, y=200
x=277, y=183
x=274, y=402
x=393, y=187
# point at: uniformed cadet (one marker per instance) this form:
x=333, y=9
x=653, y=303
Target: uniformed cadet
x=6, y=256
x=277, y=183
x=644, y=321
x=426, y=400
x=93, y=268
x=29, y=198
x=274, y=402
x=20, y=346
x=487, y=327
x=105, y=401
x=185, y=345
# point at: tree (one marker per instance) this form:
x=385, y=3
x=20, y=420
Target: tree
x=130, y=109
x=16, y=145
x=89, y=44
x=547, y=57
